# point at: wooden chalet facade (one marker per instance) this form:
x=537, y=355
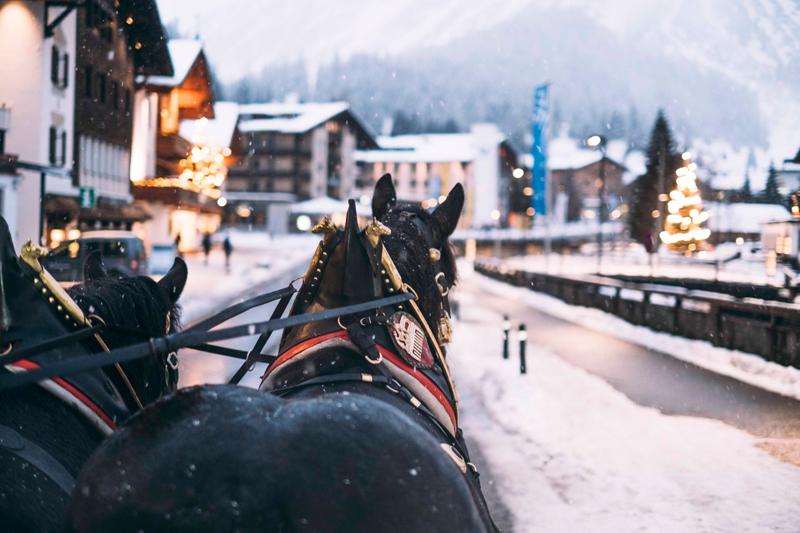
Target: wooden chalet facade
x=116, y=45
x=164, y=105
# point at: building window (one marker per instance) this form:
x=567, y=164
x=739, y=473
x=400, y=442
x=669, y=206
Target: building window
x=55, y=62
x=63, y=159
x=53, y=146
x=115, y=94
x=89, y=81
x=101, y=87
x=59, y=68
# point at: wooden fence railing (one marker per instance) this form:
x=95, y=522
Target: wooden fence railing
x=766, y=328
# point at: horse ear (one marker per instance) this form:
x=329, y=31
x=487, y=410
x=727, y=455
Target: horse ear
x=384, y=197
x=93, y=267
x=174, y=281
x=447, y=214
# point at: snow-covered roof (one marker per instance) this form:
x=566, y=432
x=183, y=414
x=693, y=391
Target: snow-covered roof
x=184, y=53
x=325, y=205
x=743, y=218
x=287, y=117
x=564, y=153
x=635, y=164
x=724, y=166
x=216, y=132
x=428, y=148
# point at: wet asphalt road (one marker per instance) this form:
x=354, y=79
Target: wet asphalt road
x=653, y=379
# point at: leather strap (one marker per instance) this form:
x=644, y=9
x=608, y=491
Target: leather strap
x=28, y=451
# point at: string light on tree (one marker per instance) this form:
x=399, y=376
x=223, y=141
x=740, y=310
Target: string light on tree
x=205, y=166
x=682, y=228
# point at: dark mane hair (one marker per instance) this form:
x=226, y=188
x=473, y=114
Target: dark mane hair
x=409, y=250
x=132, y=302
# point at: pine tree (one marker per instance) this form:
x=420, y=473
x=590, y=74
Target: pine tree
x=616, y=126
x=746, y=193
x=683, y=230
x=644, y=194
x=771, y=194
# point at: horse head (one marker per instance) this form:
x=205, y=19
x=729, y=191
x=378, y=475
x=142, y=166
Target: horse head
x=420, y=247
x=135, y=303
x=346, y=269
x=35, y=309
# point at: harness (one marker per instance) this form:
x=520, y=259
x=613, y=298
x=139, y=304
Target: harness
x=100, y=401
x=400, y=349
x=425, y=384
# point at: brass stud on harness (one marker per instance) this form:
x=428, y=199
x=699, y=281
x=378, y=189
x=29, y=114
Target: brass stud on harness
x=435, y=254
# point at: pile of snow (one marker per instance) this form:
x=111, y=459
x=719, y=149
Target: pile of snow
x=743, y=218
x=633, y=260
x=570, y=453
x=745, y=367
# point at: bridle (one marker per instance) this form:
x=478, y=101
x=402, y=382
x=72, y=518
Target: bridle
x=84, y=326
x=445, y=330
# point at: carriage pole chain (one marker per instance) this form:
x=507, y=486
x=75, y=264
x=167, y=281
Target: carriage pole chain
x=185, y=339
x=238, y=309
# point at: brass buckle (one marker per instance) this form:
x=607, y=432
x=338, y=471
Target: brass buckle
x=444, y=291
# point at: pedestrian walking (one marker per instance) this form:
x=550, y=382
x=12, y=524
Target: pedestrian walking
x=178, y=245
x=228, y=247
x=207, y=245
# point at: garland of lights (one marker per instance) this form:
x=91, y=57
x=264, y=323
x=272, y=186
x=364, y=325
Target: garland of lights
x=682, y=228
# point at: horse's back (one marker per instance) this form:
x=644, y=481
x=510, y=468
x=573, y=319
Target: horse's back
x=38, y=430
x=227, y=459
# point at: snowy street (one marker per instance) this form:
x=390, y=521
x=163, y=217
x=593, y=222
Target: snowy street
x=604, y=435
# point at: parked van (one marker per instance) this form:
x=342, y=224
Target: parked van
x=122, y=252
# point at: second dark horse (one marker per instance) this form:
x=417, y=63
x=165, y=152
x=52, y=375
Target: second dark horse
x=48, y=430
x=357, y=429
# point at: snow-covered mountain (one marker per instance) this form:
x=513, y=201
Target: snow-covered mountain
x=718, y=66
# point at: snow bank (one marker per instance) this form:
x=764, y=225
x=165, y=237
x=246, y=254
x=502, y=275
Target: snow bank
x=745, y=367
x=570, y=453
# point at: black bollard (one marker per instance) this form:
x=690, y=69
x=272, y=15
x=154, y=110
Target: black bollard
x=523, y=339
x=506, y=330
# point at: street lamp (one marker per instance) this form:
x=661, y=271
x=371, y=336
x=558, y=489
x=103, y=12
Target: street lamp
x=5, y=124
x=598, y=142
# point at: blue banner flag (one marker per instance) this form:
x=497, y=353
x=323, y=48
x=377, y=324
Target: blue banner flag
x=541, y=117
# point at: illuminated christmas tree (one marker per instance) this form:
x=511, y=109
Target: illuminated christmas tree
x=683, y=231
x=205, y=167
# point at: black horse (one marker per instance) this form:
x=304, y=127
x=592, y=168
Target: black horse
x=359, y=430
x=49, y=430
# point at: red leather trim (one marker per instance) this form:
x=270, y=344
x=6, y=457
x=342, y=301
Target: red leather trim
x=419, y=376
x=30, y=365
x=387, y=354
x=303, y=346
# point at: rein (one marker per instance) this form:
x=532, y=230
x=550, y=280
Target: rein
x=191, y=338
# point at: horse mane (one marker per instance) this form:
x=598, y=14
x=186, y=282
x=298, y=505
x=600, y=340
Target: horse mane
x=409, y=250
x=132, y=302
